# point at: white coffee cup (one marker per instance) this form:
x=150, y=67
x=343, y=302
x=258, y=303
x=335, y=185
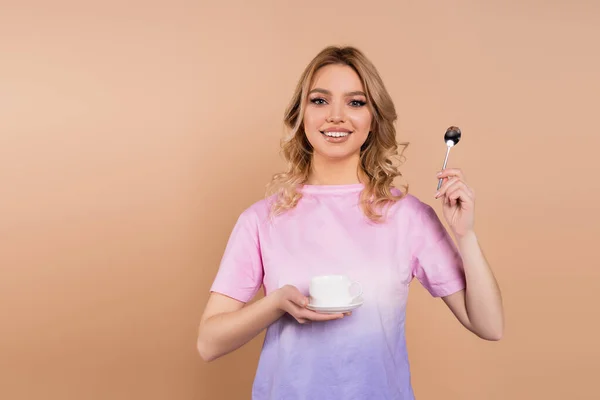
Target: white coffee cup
x=332, y=290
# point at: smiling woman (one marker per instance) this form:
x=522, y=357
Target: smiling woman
x=334, y=211
x=338, y=114
x=341, y=121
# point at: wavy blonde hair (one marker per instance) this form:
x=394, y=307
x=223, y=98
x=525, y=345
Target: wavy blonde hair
x=376, y=155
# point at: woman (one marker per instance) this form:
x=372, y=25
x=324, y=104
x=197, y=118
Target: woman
x=335, y=211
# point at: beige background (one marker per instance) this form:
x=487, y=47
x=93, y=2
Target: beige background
x=132, y=134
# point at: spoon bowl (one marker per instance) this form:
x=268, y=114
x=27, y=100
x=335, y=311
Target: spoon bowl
x=451, y=138
x=452, y=135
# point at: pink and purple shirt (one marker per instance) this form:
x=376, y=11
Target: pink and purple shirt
x=362, y=356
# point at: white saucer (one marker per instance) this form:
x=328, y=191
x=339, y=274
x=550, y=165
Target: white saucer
x=336, y=309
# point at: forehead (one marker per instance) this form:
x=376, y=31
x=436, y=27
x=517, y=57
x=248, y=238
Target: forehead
x=337, y=78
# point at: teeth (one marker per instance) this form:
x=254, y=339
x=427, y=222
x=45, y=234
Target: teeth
x=335, y=134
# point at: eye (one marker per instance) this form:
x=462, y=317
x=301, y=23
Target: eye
x=318, y=101
x=357, y=103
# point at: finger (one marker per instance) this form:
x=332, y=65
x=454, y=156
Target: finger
x=450, y=172
x=302, y=313
x=460, y=186
x=466, y=194
x=298, y=299
x=461, y=195
x=444, y=188
x=315, y=316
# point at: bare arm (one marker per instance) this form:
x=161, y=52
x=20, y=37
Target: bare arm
x=227, y=324
x=479, y=307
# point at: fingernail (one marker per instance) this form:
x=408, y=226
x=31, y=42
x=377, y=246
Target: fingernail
x=437, y=194
x=439, y=173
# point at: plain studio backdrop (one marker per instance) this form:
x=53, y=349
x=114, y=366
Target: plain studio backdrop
x=132, y=134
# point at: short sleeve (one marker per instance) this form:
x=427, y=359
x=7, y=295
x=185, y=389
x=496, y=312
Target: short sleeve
x=240, y=272
x=438, y=265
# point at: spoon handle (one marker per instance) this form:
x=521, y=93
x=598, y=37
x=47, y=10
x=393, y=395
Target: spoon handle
x=444, y=167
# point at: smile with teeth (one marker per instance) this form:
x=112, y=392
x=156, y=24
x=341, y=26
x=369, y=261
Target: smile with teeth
x=336, y=134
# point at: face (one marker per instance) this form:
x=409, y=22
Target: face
x=337, y=119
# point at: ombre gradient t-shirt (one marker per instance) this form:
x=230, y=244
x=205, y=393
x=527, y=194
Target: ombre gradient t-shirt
x=362, y=356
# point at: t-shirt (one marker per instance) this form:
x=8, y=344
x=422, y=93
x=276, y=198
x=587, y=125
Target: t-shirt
x=362, y=356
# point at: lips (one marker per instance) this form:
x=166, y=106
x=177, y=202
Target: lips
x=336, y=133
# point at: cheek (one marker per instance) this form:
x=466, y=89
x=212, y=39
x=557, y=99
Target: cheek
x=314, y=118
x=362, y=122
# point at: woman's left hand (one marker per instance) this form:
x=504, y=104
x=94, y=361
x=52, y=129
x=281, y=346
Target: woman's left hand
x=458, y=201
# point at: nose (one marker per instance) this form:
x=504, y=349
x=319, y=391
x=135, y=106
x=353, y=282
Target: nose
x=336, y=114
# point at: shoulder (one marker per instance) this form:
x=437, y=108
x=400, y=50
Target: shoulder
x=258, y=212
x=414, y=212
x=410, y=204
x=422, y=218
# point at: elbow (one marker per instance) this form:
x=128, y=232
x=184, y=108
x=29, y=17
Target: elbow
x=492, y=335
x=207, y=353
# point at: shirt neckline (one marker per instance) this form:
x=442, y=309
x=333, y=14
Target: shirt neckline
x=325, y=189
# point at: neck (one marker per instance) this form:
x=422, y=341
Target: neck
x=334, y=172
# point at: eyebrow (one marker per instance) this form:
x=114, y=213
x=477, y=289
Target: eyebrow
x=325, y=91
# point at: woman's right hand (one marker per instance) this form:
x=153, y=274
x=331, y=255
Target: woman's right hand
x=294, y=303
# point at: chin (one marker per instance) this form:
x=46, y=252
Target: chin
x=335, y=154
x=335, y=151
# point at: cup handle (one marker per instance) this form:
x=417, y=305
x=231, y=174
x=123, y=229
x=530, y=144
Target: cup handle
x=360, y=289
